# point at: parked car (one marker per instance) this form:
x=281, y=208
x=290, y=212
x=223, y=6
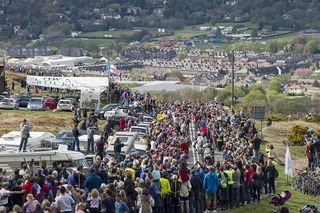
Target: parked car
x=100, y=112
x=63, y=137
x=49, y=103
x=35, y=103
x=2, y=97
x=119, y=110
x=23, y=100
x=73, y=101
x=65, y=105
x=142, y=131
x=9, y=103
x=114, y=121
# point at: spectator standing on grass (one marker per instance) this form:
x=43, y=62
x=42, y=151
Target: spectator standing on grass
x=210, y=186
x=25, y=128
x=258, y=179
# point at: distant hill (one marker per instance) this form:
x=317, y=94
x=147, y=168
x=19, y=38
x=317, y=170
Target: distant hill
x=30, y=18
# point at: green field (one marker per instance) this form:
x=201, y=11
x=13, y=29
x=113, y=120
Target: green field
x=187, y=32
x=87, y=43
x=101, y=34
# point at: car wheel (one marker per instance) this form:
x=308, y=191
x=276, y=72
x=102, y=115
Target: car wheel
x=47, y=108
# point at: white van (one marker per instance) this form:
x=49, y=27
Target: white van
x=69, y=158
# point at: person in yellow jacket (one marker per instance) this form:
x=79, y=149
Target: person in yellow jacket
x=229, y=171
x=165, y=191
x=131, y=170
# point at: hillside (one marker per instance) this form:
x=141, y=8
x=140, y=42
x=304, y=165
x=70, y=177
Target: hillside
x=30, y=18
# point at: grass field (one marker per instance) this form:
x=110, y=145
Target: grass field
x=187, y=32
x=41, y=121
x=115, y=34
x=87, y=43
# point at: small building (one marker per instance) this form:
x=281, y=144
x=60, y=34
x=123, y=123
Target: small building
x=295, y=89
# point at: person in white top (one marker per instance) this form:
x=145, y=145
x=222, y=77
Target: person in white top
x=64, y=201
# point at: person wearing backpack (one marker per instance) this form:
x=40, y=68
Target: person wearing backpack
x=272, y=174
x=224, y=179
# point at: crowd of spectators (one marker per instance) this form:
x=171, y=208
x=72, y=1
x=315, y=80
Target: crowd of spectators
x=167, y=179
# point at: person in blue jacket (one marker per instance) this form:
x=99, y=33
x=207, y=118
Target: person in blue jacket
x=210, y=186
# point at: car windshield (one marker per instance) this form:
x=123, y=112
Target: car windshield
x=80, y=162
x=64, y=135
x=138, y=130
x=6, y=100
x=38, y=100
x=24, y=98
x=64, y=102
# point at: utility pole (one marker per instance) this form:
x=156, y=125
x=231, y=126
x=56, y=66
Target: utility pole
x=232, y=80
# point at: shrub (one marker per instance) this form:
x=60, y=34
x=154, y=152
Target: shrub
x=276, y=117
x=297, y=133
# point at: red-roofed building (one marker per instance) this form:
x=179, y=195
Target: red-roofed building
x=296, y=89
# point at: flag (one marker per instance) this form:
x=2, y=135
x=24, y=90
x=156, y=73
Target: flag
x=112, y=68
x=160, y=116
x=288, y=163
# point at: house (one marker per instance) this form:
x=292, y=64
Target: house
x=295, y=89
x=158, y=12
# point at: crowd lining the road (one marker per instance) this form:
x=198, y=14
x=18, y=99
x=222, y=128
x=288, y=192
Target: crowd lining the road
x=166, y=180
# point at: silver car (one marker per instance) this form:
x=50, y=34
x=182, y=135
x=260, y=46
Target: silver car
x=35, y=104
x=65, y=105
x=9, y=103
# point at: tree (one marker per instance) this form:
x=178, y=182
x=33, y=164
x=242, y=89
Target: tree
x=311, y=47
x=316, y=83
x=274, y=85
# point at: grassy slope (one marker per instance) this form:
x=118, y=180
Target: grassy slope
x=275, y=134
x=298, y=200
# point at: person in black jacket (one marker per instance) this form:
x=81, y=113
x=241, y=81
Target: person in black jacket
x=196, y=185
x=271, y=175
x=117, y=149
x=75, y=138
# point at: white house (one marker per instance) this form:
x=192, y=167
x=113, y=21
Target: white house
x=296, y=89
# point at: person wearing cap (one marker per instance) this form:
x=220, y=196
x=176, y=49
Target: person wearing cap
x=25, y=128
x=210, y=186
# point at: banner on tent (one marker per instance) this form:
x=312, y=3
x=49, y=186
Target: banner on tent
x=75, y=83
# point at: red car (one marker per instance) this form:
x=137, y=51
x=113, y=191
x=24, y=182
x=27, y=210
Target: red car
x=49, y=103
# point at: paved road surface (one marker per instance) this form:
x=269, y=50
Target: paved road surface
x=193, y=155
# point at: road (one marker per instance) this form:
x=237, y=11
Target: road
x=193, y=154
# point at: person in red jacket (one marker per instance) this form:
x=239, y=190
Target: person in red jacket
x=248, y=174
x=184, y=147
x=122, y=123
x=28, y=188
x=184, y=173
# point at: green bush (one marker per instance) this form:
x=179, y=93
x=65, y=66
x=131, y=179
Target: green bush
x=297, y=133
x=276, y=117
